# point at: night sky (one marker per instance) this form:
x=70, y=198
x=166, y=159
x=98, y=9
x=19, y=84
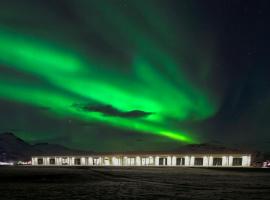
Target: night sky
x=115, y=75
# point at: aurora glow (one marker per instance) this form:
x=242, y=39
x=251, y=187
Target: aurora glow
x=72, y=76
x=133, y=74
x=123, y=75
x=88, y=84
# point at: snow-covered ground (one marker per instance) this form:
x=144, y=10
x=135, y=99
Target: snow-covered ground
x=133, y=183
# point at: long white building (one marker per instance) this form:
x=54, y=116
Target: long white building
x=159, y=159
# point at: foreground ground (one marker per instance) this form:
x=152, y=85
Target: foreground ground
x=133, y=183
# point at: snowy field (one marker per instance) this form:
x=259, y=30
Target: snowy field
x=133, y=183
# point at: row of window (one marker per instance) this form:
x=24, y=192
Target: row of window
x=218, y=161
x=162, y=161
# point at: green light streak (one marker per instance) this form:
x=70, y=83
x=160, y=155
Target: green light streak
x=35, y=96
x=155, y=82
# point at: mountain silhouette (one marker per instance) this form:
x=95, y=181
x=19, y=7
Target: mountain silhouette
x=13, y=148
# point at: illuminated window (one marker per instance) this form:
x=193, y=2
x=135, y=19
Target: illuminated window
x=132, y=161
x=145, y=161
x=106, y=161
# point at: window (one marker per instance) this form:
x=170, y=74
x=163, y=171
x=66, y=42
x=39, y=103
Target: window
x=145, y=161
x=64, y=161
x=106, y=161
x=77, y=161
x=40, y=161
x=237, y=162
x=162, y=161
x=130, y=161
x=180, y=161
x=217, y=161
x=52, y=161
x=198, y=161
x=151, y=160
x=116, y=161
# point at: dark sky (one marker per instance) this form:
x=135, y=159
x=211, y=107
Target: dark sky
x=120, y=75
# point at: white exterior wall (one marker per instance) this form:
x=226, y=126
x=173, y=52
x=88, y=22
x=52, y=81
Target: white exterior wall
x=227, y=160
x=210, y=161
x=90, y=161
x=46, y=161
x=230, y=161
x=169, y=161
x=191, y=161
x=205, y=161
x=82, y=161
x=187, y=160
x=138, y=161
x=152, y=160
x=57, y=162
x=246, y=161
x=157, y=161
x=173, y=161
x=34, y=161
x=116, y=161
x=125, y=161
x=70, y=160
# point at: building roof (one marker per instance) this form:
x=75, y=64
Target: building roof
x=187, y=150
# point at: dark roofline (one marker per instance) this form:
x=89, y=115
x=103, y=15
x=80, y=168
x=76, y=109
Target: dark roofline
x=149, y=153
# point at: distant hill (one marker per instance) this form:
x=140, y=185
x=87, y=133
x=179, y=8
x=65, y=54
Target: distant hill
x=13, y=148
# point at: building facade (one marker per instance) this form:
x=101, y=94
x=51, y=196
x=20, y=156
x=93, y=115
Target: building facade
x=150, y=159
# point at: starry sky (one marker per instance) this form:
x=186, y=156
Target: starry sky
x=117, y=75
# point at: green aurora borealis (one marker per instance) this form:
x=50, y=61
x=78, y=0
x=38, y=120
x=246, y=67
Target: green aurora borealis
x=134, y=66
x=87, y=80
